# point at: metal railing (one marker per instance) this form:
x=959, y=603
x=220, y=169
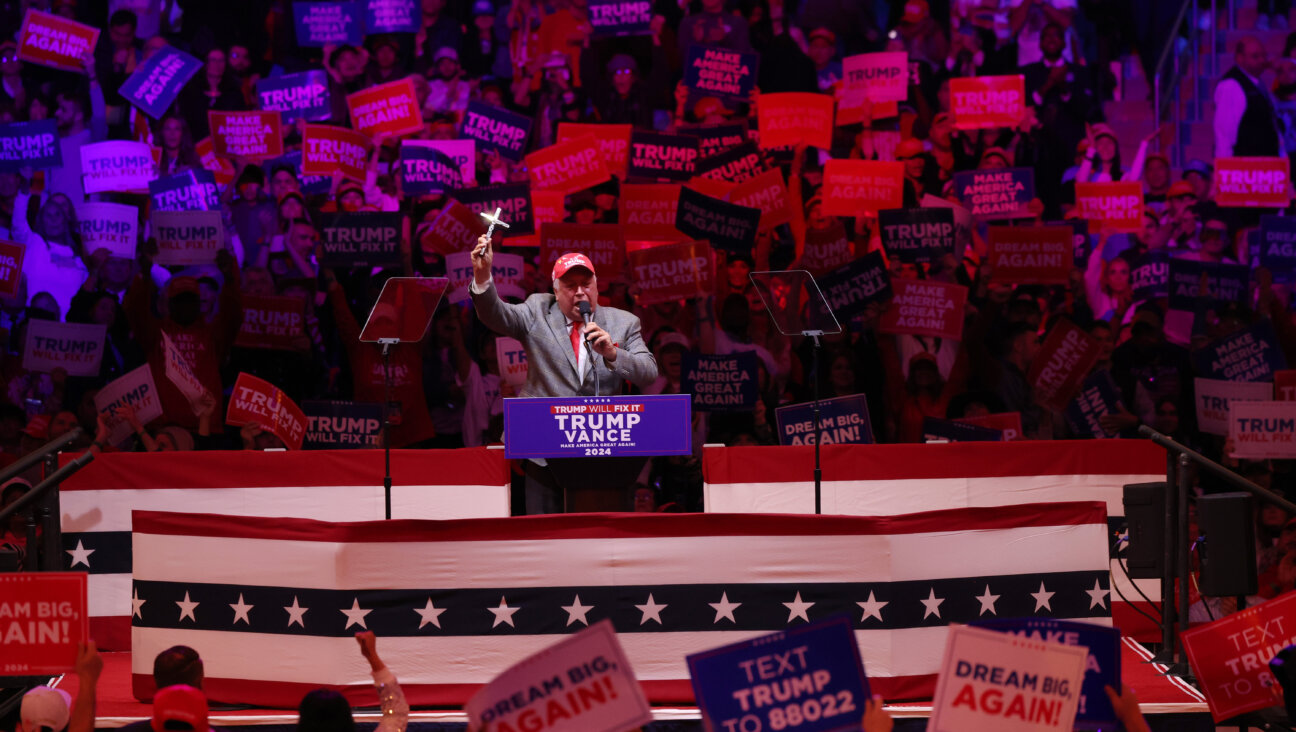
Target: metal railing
x=1177, y=545
x=44, y=500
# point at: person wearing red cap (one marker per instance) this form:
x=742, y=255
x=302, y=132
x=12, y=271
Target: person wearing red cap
x=563, y=351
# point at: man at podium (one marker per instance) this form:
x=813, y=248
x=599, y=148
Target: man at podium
x=553, y=331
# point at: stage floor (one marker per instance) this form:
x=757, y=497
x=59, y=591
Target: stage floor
x=1160, y=695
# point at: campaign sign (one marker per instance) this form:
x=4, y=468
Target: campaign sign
x=326, y=148
x=1285, y=385
x=736, y=164
x=849, y=290
x=1263, y=430
x=980, y=102
x=272, y=322
x=817, y=663
x=513, y=200
x=187, y=237
x=252, y=135
x=134, y=390
x=856, y=187
x=827, y=248
x=77, y=348
x=917, y=234
x=583, y=683
x=876, y=77
x=11, y=260
x=620, y=17
x=257, y=401
x=788, y=118
x=1009, y=423
x=1214, y=398
x=191, y=190
x=1080, y=245
x=656, y=156
x=310, y=184
x=1031, y=254
x=43, y=618
x=117, y=166
x=341, y=425
x=506, y=270
x=223, y=169
x=391, y=108
x=1225, y=283
x=361, y=239
x=511, y=358
x=672, y=272
x=944, y=430
x=649, y=210
x=569, y=166
x=321, y=24
x=925, y=307
x=30, y=145
x=613, y=141
x=462, y=152
x=1252, y=182
x=392, y=16
x=156, y=82
x=1060, y=367
x=996, y=194
x=767, y=192
x=425, y=169
x=1249, y=355
x=1231, y=656
x=558, y=427
x=1009, y=683
x=303, y=95
x=604, y=244
x=715, y=139
x=1097, y=398
x=843, y=421
x=725, y=225
x=180, y=373
x=711, y=71
x=1115, y=205
x=54, y=41
x=1103, y=667
x=455, y=229
x=496, y=129
x=720, y=383
x=1278, y=245
x=1150, y=275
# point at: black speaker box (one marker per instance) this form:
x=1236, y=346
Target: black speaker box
x=1228, y=550
x=1145, y=517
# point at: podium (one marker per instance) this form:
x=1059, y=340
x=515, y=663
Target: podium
x=595, y=447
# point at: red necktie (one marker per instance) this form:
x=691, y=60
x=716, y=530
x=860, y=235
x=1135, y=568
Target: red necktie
x=575, y=339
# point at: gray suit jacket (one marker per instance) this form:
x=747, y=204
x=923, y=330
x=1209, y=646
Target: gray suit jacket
x=541, y=327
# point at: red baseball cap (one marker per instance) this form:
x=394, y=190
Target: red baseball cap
x=180, y=703
x=571, y=259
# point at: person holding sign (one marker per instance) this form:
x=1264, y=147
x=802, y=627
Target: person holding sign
x=562, y=343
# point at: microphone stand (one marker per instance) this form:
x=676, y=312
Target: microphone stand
x=589, y=320
x=387, y=343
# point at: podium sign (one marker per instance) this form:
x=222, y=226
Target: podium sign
x=614, y=426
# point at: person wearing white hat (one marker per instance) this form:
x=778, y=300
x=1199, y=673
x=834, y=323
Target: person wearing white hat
x=44, y=708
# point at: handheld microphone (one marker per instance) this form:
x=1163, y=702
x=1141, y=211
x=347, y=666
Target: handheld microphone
x=587, y=314
x=583, y=307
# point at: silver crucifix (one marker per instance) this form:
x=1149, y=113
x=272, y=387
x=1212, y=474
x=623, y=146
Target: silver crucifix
x=493, y=219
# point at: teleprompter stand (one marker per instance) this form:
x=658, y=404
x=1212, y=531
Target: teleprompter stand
x=402, y=314
x=798, y=308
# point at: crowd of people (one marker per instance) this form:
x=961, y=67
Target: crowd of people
x=542, y=59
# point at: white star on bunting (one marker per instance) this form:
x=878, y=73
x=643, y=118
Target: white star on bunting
x=872, y=607
x=503, y=613
x=241, y=611
x=1042, y=598
x=931, y=606
x=187, y=608
x=355, y=615
x=724, y=608
x=136, y=604
x=1097, y=596
x=651, y=610
x=429, y=614
x=296, y=613
x=987, y=601
x=798, y=609
x=576, y=611
x=80, y=555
